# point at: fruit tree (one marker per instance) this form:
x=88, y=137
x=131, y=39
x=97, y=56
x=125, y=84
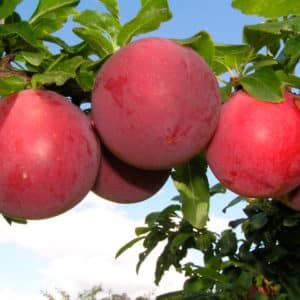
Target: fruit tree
x=119, y=113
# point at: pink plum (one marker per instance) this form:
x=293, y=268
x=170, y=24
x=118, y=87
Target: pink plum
x=255, y=151
x=49, y=155
x=122, y=183
x=155, y=103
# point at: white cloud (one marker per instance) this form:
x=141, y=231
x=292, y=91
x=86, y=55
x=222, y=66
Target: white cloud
x=79, y=246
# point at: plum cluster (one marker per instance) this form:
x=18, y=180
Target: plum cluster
x=155, y=104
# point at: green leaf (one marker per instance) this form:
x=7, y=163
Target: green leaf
x=97, y=41
x=141, y=230
x=269, y=33
x=112, y=6
x=103, y=22
x=205, y=241
x=12, y=84
x=24, y=31
x=7, y=7
x=59, y=73
x=228, y=57
x=292, y=47
x=288, y=79
x=264, y=85
x=49, y=6
x=201, y=43
x=191, y=182
x=149, y=18
x=268, y=8
x=128, y=245
x=212, y=274
x=227, y=244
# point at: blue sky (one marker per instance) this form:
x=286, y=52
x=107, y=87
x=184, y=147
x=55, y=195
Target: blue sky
x=34, y=256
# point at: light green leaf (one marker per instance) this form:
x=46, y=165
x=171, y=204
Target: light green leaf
x=263, y=84
x=12, y=84
x=33, y=58
x=59, y=73
x=201, y=43
x=52, y=22
x=112, y=6
x=229, y=57
x=149, y=18
x=23, y=30
x=191, y=182
x=98, y=42
x=103, y=22
x=49, y=6
x=268, y=8
x=7, y=7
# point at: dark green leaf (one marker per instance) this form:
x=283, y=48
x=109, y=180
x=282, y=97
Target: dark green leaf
x=191, y=182
x=268, y=8
x=150, y=242
x=112, y=6
x=234, y=202
x=103, y=22
x=258, y=221
x=7, y=7
x=179, y=240
x=245, y=280
x=149, y=18
x=264, y=85
x=236, y=223
x=46, y=7
x=11, y=220
x=128, y=245
x=97, y=41
x=218, y=188
x=227, y=244
x=12, y=84
x=201, y=43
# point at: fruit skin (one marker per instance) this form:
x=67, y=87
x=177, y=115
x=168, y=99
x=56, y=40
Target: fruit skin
x=122, y=183
x=49, y=155
x=155, y=103
x=255, y=151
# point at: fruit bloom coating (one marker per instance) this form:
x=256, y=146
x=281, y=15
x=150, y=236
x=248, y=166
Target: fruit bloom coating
x=255, y=151
x=155, y=103
x=122, y=183
x=49, y=155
